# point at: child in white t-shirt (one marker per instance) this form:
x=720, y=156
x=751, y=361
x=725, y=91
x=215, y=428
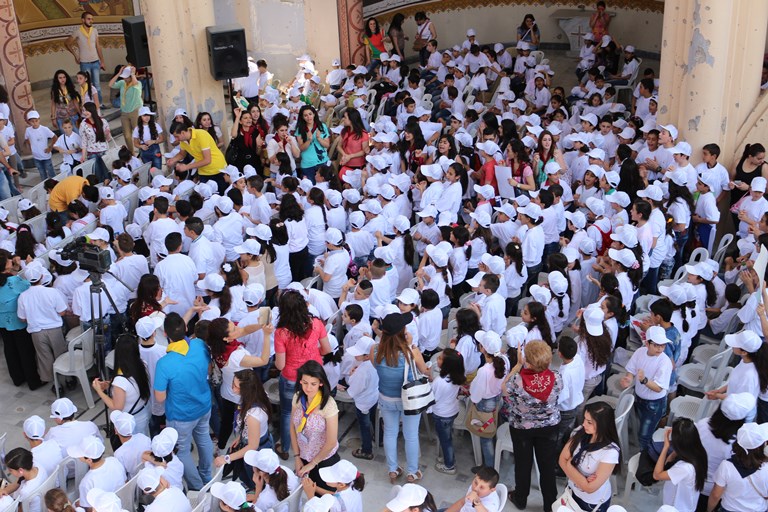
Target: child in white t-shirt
x=430, y=323
x=363, y=387
x=68, y=144
x=445, y=387
x=40, y=140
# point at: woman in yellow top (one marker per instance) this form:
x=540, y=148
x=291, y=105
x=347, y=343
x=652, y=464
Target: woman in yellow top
x=208, y=158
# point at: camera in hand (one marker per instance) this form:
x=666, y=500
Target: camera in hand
x=87, y=255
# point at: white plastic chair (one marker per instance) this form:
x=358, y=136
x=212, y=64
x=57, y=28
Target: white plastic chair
x=501, y=491
x=272, y=388
x=86, y=168
x=503, y=444
x=722, y=248
x=699, y=254
x=76, y=362
x=312, y=282
x=538, y=55
x=699, y=377
x=623, y=411
x=13, y=507
x=3, y=467
x=130, y=202
x=294, y=500
x=38, y=227
x=127, y=494
x=203, y=505
x=710, y=347
x=48, y=484
x=632, y=465
x=460, y=424
x=206, y=488
x=12, y=205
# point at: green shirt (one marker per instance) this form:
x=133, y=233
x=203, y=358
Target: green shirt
x=130, y=100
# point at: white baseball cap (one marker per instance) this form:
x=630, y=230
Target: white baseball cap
x=595, y=205
x=652, y=192
x=103, y=501
x=438, y=256
x=593, y=319
x=34, y=427
x=124, y=422
x=90, y=447
x=105, y=193
x=474, y=282
x=362, y=347
x=507, y=209
x=737, y=406
x=322, y=503
x=147, y=325
x=540, y=294
x=126, y=72
x=342, y=472
x=33, y=114
x=672, y=129
x=149, y=479
x=211, y=282
x=249, y=246
x=145, y=111
x=752, y=435
x=620, y=198
x=590, y=118
x=233, y=494
x=490, y=341
x=626, y=234
x=123, y=173
x=758, y=184
x=675, y=293
x=333, y=236
x=657, y=335
x=371, y=206
x=225, y=204
x=253, y=294
x=356, y=219
x=409, y=296
x=747, y=340
x=265, y=460
x=558, y=284
x=482, y=218
x=532, y=210
x=627, y=133
x=624, y=256
x=429, y=211
x=682, y=148
x=164, y=442
x=409, y=495
x=516, y=335
x=577, y=218
x=62, y=408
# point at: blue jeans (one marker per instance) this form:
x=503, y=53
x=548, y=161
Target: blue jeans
x=5, y=186
x=590, y=506
x=99, y=167
x=392, y=414
x=680, y=242
x=365, y=422
x=287, y=390
x=11, y=185
x=94, y=68
x=444, y=431
x=309, y=172
x=650, y=282
x=152, y=155
x=215, y=421
x=374, y=65
x=486, y=444
x=197, y=429
x=762, y=411
x=649, y=412
x=45, y=168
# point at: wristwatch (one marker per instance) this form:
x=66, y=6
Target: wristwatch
x=644, y=381
x=227, y=459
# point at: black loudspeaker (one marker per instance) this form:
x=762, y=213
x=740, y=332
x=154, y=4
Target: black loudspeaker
x=135, y=32
x=227, y=52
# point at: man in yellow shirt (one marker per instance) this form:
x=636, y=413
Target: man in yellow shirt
x=208, y=158
x=68, y=190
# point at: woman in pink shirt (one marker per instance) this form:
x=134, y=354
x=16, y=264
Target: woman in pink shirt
x=299, y=337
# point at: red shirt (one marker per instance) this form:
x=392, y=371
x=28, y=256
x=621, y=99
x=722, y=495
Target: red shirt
x=351, y=144
x=299, y=350
x=489, y=175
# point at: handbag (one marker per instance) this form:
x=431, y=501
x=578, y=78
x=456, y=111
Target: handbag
x=232, y=153
x=481, y=424
x=566, y=500
x=417, y=394
x=420, y=42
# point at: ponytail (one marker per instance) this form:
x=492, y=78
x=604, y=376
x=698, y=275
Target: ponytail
x=278, y=481
x=711, y=293
x=358, y=483
x=499, y=367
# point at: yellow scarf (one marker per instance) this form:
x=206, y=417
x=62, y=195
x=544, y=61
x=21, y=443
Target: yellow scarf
x=314, y=404
x=180, y=347
x=86, y=33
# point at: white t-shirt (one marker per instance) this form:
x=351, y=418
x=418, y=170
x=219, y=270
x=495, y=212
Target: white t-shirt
x=109, y=477
x=446, y=398
x=68, y=143
x=490, y=502
x=657, y=369
x=129, y=454
x=114, y=215
x=740, y=493
x=40, y=306
x=178, y=274
x=28, y=487
x=588, y=466
x=268, y=498
x=335, y=264
x=47, y=456
x=133, y=400
x=467, y=347
x=229, y=231
x=680, y=490
x=571, y=395
x=228, y=374
x=70, y=433
x=38, y=141
x=170, y=499
x=150, y=356
x=131, y=269
x=717, y=451
x=281, y=266
x=145, y=134
x=155, y=235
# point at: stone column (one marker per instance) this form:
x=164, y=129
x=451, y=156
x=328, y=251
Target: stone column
x=351, y=31
x=712, y=53
x=13, y=68
x=179, y=55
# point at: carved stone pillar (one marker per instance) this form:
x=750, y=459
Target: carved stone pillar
x=351, y=31
x=13, y=67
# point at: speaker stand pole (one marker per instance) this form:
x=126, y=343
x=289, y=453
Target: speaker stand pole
x=150, y=104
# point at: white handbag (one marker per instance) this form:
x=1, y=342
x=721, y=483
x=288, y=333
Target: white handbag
x=417, y=394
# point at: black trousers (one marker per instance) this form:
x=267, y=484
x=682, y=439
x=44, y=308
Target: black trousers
x=300, y=262
x=226, y=424
x=543, y=442
x=314, y=475
x=21, y=358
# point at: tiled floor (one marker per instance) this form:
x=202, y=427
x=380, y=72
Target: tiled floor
x=17, y=404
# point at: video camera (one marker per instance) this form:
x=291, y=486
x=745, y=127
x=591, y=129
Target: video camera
x=87, y=255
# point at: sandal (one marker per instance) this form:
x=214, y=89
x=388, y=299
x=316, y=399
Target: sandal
x=414, y=477
x=394, y=475
x=360, y=454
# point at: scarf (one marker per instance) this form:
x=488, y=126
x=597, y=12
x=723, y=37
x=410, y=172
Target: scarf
x=307, y=410
x=744, y=472
x=180, y=347
x=538, y=384
x=248, y=138
x=87, y=33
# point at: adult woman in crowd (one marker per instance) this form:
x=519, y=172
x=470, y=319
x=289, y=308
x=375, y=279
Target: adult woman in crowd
x=147, y=136
x=204, y=121
x=19, y=351
x=292, y=216
x=149, y=298
x=599, y=21
x=396, y=35
x=354, y=142
x=530, y=393
x=130, y=387
x=314, y=424
x=374, y=43
x=528, y=32
x=741, y=482
x=251, y=424
x=425, y=31
x=591, y=456
x=94, y=136
x=314, y=139
x=751, y=164
x=390, y=358
x=65, y=100
x=246, y=142
x=282, y=142
x=718, y=433
x=299, y=337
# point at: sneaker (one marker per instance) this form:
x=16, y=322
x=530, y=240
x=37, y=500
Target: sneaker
x=440, y=459
x=444, y=469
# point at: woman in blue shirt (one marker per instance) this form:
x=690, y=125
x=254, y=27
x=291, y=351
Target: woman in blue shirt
x=314, y=139
x=20, y=355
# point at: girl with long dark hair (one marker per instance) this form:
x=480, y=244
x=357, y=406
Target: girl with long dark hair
x=129, y=389
x=374, y=44
x=292, y=215
x=751, y=164
x=147, y=136
x=314, y=139
x=685, y=479
x=522, y=172
x=94, y=135
x=270, y=476
x=204, y=121
x=595, y=348
x=86, y=89
x=680, y=206
x=591, y=456
x=467, y=324
x=247, y=141
x=396, y=35
x=354, y=144
x=26, y=245
x=65, y=100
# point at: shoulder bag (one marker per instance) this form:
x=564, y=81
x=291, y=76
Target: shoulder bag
x=420, y=42
x=417, y=394
x=566, y=500
x=481, y=424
